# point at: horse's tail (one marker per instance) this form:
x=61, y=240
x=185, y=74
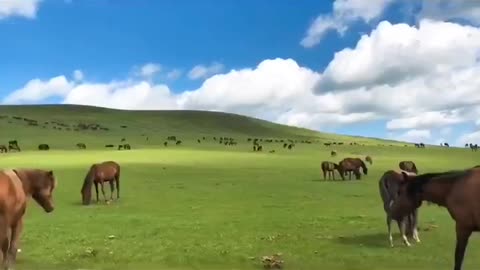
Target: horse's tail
x=87, y=185
x=364, y=167
x=383, y=186
x=117, y=180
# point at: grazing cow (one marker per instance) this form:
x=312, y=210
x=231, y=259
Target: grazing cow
x=329, y=167
x=43, y=147
x=3, y=148
x=333, y=153
x=352, y=165
x=408, y=166
x=369, y=159
x=81, y=146
x=16, y=187
x=389, y=185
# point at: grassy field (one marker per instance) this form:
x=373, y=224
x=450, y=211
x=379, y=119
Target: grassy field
x=208, y=206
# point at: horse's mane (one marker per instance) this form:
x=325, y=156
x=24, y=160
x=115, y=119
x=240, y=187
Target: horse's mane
x=87, y=183
x=416, y=183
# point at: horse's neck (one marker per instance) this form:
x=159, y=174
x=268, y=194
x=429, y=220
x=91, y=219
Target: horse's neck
x=437, y=192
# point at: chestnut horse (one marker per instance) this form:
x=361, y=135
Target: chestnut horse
x=352, y=165
x=108, y=171
x=16, y=186
x=329, y=167
x=458, y=191
x=389, y=185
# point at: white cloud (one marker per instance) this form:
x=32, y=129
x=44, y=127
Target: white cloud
x=37, y=90
x=473, y=137
x=20, y=8
x=174, y=74
x=451, y=10
x=425, y=120
x=344, y=13
x=414, y=136
x=202, y=71
x=149, y=70
x=78, y=75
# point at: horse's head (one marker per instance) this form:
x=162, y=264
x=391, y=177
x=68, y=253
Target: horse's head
x=408, y=196
x=42, y=189
x=86, y=190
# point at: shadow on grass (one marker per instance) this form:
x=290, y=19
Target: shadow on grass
x=375, y=240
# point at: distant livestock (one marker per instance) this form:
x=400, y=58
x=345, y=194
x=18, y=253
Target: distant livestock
x=408, y=166
x=43, y=147
x=81, y=146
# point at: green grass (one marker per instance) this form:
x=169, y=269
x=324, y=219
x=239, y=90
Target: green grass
x=206, y=206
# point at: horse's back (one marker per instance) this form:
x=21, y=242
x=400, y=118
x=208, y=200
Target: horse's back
x=12, y=195
x=388, y=186
x=107, y=169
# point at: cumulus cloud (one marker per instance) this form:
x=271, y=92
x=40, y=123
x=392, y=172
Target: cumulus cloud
x=149, y=70
x=414, y=136
x=451, y=10
x=202, y=71
x=174, y=74
x=37, y=90
x=473, y=137
x=19, y=8
x=425, y=120
x=344, y=13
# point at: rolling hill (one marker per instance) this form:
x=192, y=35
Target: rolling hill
x=66, y=125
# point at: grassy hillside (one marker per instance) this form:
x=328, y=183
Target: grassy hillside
x=58, y=126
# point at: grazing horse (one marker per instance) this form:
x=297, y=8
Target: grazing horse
x=389, y=185
x=408, y=166
x=329, y=167
x=81, y=146
x=458, y=191
x=352, y=165
x=43, y=147
x=108, y=171
x=369, y=159
x=333, y=153
x=3, y=148
x=16, y=186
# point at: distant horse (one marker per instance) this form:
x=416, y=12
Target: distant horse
x=369, y=159
x=333, y=153
x=408, y=166
x=81, y=146
x=16, y=186
x=329, y=167
x=108, y=171
x=3, y=148
x=352, y=165
x=43, y=147
x=458, y=191
x=389, y=185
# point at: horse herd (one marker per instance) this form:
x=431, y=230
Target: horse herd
x=17, y=185
x=347, y=165
x=402, y=194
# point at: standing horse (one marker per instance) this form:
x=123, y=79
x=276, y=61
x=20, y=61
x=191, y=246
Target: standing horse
x=389, y=185
x=458, y=191
x=108, y=171
x=352, y=165
x=16, y=186
x=3, y=148
x=369, y=159
x=408, y=166
x=329, y=167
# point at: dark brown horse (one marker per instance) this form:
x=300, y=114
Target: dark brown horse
x=352, y=165
x=329, y=167
x=458, y=191
x=369, y=159
x=408, y=166
x=389, y=185
x=108, y=171
x=16, y=186
x=3, y=148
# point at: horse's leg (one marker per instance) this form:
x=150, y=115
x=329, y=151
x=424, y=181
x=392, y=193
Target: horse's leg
x=117, y=183
x=324, y=175
x=401, y=227
x=112, y=189
x=414, y=225
x=96, y=191
x=389, y=227
x=103, y=190
x=463, y=234
x=4, y=242
x=14, y=242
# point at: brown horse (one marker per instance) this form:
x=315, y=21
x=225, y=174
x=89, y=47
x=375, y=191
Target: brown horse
x=329, y=167
x=108, y=171
x=408, y=166
x=16, y=186
x=352, y=165
x=369, y=159
x=458, y=191
x=389, y=185
x=3, y=148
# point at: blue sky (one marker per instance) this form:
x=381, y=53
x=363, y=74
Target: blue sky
x=367, y=68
